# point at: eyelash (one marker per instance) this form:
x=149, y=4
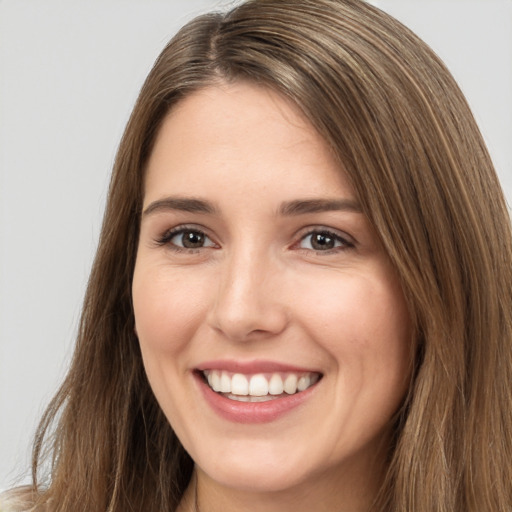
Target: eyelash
x=166, y=238
x=342, y=241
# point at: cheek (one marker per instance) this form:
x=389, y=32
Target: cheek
x=166, y=318
x=166, y=307
x=363, y=322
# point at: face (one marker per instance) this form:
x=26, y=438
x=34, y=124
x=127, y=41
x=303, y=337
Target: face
x=272, y=326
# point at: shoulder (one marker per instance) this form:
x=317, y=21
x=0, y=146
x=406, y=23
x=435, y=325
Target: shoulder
x=19, y=499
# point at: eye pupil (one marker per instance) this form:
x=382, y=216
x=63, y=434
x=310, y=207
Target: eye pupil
x=192, y=239
x=322, y=241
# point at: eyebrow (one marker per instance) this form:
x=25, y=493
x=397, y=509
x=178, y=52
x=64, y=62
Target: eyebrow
x=289, y=208
x=184, y=204
x=304, y=206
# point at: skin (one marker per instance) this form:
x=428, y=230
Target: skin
x=259, y=290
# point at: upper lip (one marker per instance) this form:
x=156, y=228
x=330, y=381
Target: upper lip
x=252, y=367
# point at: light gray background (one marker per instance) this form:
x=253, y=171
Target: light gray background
x=70, y=71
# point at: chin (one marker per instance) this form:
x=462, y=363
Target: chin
x=258, y=478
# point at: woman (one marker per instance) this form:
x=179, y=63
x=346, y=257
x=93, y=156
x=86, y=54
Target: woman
x=301, y=297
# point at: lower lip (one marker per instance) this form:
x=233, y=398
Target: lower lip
x=252, y=412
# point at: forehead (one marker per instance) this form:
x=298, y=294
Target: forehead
x=244, y=136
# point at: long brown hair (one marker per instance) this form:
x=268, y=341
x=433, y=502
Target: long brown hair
x=394, y=116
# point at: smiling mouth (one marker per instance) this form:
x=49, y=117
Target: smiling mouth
x=259, y=387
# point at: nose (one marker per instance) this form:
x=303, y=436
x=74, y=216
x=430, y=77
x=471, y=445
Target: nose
x=248, y=303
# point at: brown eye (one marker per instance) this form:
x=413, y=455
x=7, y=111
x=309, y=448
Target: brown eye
x=323, y=241
x=190, y=239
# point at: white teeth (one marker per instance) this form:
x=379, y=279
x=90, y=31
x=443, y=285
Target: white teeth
x=258, y=386
x=249, y=398
x=225, y=383
x=303, y=383
x=290, y=384
x=239, y=384
x=275, y=386
x=215, y=381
